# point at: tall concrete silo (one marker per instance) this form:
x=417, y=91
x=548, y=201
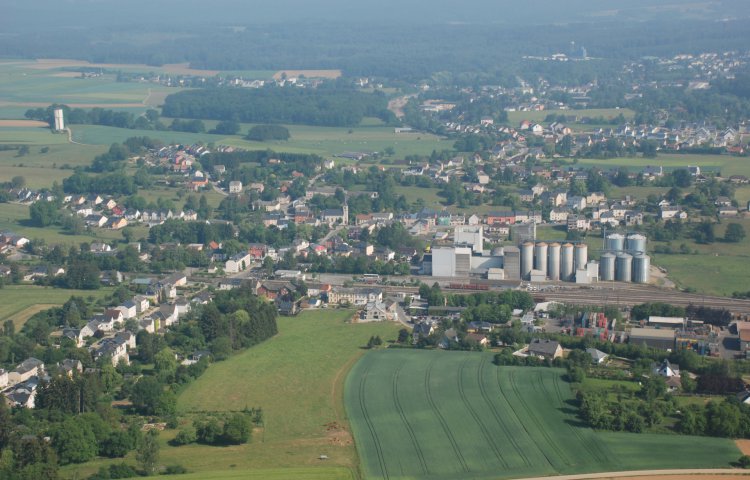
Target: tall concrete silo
x=641, y=268
x=553, y=261
x=623, y=267
x=607, y=267
x=527, y=259
x=581, y=256
x=540, y=257
x=567, y=268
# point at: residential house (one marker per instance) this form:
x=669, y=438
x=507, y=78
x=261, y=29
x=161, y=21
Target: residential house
x=578, y=223
x=355, y=296
x=597, y=356
x=559, y=214
x=142, y=303
x=235, y=186
x=75, y=335
x=478, y=339
x=129, y=309
x=70, y=367
x=376, y=312
x=667, y=369
x=547, y=349
x=673, y=212
x=274, y=290
x=114, y=348
x=31, y=367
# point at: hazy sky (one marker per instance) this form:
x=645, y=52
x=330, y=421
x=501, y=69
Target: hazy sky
x=25, y=14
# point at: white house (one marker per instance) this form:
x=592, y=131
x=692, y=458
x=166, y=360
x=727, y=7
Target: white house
x=235, y=186
x=237, y=262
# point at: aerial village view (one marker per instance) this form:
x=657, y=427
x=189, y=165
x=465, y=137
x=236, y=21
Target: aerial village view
x=363, y=241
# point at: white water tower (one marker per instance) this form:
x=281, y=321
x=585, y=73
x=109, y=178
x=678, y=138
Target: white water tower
x=59, y=121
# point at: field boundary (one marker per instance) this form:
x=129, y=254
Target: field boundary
x=642, y=473
x=23, y=315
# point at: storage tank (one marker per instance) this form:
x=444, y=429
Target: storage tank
x=553, y=261
x=641, y=268
x=636, y=243
x=623, y=267
x=607, y=267
x=614, y=242
x=527, y=259
x=567, y=269
x=540, y=257
x=582, y=256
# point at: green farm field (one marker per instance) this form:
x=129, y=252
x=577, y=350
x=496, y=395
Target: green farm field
x=30, y=84
x=514, y=118
x=17, y=302
x=441, y=415
x=324, y=141
x=727, y=164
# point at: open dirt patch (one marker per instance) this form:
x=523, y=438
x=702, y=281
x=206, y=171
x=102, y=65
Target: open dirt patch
x=67, y=74
x=744, y=446
x=22, y=123
x=308, y=73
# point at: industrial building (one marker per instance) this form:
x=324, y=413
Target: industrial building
x=622, y=259
x=663, y=339
x=470, y=235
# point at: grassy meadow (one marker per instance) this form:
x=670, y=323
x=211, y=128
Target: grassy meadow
x=297, y=378
x=20, y=302
x=440, y=415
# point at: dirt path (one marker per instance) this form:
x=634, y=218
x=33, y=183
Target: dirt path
x=21, y=317
x=695, y=474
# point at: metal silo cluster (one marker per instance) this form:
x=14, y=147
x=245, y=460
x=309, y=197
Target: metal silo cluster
x=625, y=259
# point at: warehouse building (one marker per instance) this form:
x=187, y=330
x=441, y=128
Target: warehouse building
x=662, y=339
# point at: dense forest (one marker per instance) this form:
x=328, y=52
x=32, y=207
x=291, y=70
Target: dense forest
x=327, y=105
x=387, y=50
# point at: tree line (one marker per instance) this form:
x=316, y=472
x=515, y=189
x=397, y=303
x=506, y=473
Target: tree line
x=330, y=106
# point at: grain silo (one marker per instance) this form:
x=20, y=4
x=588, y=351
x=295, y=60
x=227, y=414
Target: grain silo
x=553, y=261
x=540, y=257
x=581, y=256
x=641, y=268
x=566, y=263
x=607, y=267
x=636, y=244
x=623, y=267
x=527, y=259
x=614, y=242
